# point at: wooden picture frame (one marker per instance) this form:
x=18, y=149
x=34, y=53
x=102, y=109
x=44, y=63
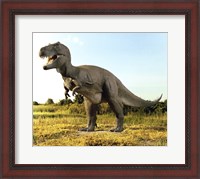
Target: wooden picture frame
x=189, y=9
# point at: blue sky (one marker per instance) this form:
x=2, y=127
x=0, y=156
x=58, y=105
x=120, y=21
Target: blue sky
x=139, y=60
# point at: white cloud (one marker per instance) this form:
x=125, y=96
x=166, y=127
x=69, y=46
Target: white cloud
x=76, y=40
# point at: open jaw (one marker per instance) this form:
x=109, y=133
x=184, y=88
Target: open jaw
x=50, y=59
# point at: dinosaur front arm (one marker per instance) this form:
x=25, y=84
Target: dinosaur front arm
x=66, y=92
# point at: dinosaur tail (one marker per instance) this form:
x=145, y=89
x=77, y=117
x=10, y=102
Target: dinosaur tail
x=129, y=99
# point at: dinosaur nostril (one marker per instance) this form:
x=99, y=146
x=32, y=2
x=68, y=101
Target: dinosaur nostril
x=45, y=67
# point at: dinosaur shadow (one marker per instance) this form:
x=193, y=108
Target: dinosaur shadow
x=96, y=130
x=149, y=128
x=131, y=128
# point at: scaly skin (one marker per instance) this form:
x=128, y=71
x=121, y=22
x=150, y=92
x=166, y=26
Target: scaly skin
x=94, y=83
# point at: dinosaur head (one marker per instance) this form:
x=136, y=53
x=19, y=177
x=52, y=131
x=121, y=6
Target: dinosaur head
x=57, y=54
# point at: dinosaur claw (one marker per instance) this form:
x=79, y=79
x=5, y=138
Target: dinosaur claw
x=86, y=130
x=83, y=129
x=116, y=130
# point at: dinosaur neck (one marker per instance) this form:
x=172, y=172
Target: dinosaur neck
x=68, y=70
x=71, y=71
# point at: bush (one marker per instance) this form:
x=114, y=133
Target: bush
x=76, y=109
x=35, y=103
x=159, y=108
x=78, y=99
x=104, y=108
x=49, y=101
x=65, y=102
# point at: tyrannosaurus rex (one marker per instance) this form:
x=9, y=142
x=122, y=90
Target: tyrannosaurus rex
x=94, y=83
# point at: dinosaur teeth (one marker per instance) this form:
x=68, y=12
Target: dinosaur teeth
x=42, y=57
x=49, y=59
x=45, y=58
x=52, y=57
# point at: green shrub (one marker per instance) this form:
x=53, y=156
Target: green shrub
x=65, y=102
x=104, y=108
x=76, y=109
x=35, y=103
x=78, y=99
x=49, y=101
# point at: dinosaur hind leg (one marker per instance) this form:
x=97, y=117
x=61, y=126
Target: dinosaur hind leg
x=115, y=103
x=91, y=110
x=117, y=108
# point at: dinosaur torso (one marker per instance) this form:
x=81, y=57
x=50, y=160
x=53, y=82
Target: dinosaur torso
x=91, y=81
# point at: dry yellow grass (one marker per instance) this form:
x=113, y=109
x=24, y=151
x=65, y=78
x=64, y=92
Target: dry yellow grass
x=54, y=126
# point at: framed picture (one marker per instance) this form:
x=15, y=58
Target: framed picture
x=153, y=45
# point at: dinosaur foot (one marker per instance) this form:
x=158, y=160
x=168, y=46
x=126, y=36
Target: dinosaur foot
x=86, y=129
x=117, y=129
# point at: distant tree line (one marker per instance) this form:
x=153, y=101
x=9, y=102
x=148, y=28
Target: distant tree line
x=78, y=99
x=76, y=106
x=159, y=108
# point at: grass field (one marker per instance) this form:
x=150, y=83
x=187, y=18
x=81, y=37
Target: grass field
x=55, y=125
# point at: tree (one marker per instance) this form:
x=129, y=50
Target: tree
x=49, y=101
x=65, y=102
x=35, y=103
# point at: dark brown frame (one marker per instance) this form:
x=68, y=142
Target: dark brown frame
x=10, y=8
